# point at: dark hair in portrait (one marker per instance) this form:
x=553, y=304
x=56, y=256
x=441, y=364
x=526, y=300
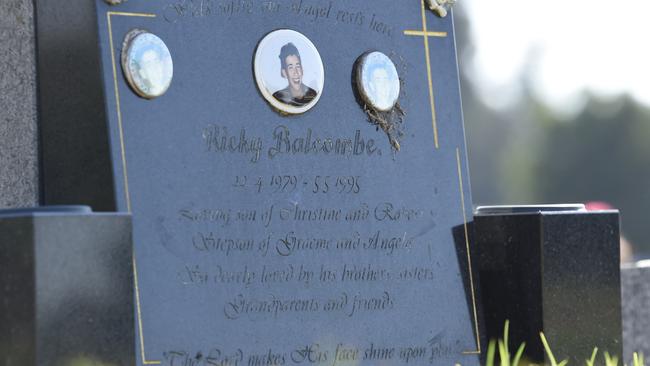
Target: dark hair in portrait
x=288, y=50
x=296, y=93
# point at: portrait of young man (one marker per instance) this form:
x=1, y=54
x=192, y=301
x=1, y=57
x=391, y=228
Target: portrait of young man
x=152, y=71
x=296, y=93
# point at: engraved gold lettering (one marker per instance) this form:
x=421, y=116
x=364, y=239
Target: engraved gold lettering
x=286, y=143
x=217, y=139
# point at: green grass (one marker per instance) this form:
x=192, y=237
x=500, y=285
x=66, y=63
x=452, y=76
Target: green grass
x=507, y=359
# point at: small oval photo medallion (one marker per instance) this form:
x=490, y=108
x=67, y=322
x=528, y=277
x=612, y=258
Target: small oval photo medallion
x=289, y=71
x=377, y=81
x=147, y=64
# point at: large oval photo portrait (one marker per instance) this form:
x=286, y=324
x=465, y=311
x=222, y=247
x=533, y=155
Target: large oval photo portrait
x=289, y=71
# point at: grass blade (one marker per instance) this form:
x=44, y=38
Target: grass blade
x=611, y=360
x=506, y=331
x=490, y=354
x=547, y=348
x=520, y=352
x=592, y=360
x=504, y=357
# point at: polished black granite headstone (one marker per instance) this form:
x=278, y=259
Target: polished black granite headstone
x=552, y=271
x=66, y=288
x=257, y=239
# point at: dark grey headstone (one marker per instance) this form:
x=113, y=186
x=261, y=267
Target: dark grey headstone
x=552, y=272
x=635, y=291
x=71, y=103
x=66, y=289
x=191, y=198
x=18, y=131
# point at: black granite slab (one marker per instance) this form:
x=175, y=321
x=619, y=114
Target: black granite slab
x=552, y=271
x=66, y=288
x=75, y=164
x=381, y=278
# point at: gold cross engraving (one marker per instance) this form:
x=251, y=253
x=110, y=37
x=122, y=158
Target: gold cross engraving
x=424, y=33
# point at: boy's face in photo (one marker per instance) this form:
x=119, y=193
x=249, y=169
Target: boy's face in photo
x=293, y=72
x=151, y=69
x=380, y=86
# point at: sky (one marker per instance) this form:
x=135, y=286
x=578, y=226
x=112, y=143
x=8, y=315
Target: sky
x=568, y=47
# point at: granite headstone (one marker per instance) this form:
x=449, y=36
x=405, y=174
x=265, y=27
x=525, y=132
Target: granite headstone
x=635, y=296
x=19, y=184
x=328, y=236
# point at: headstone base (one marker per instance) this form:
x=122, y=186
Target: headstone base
x=66, y=284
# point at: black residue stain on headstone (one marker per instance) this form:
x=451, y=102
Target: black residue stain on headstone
x=430, y=226
x=437, y=339
x=391, y=122
x=165, y=235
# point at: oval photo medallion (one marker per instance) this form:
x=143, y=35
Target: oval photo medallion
x=147, y=64
x=289, y=71
x=377, y=81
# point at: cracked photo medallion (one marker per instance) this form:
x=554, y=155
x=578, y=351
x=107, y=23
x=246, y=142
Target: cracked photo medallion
x=377, y=81
x=147, y=64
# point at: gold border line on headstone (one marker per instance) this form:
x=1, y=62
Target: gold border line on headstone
x=424, y=33
x=469, y=257
x=124, y=169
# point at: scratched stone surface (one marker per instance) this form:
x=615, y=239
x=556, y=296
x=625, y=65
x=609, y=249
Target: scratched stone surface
x=265, y=239
x=18, y=132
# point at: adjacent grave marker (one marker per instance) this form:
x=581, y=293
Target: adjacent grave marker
x=66, y=284
x=18, y=133
x=271, y=235
x=635, y=295
x=552, y=269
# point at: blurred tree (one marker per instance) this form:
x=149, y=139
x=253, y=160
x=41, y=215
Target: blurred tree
x=601, y=155
x=483, y=126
